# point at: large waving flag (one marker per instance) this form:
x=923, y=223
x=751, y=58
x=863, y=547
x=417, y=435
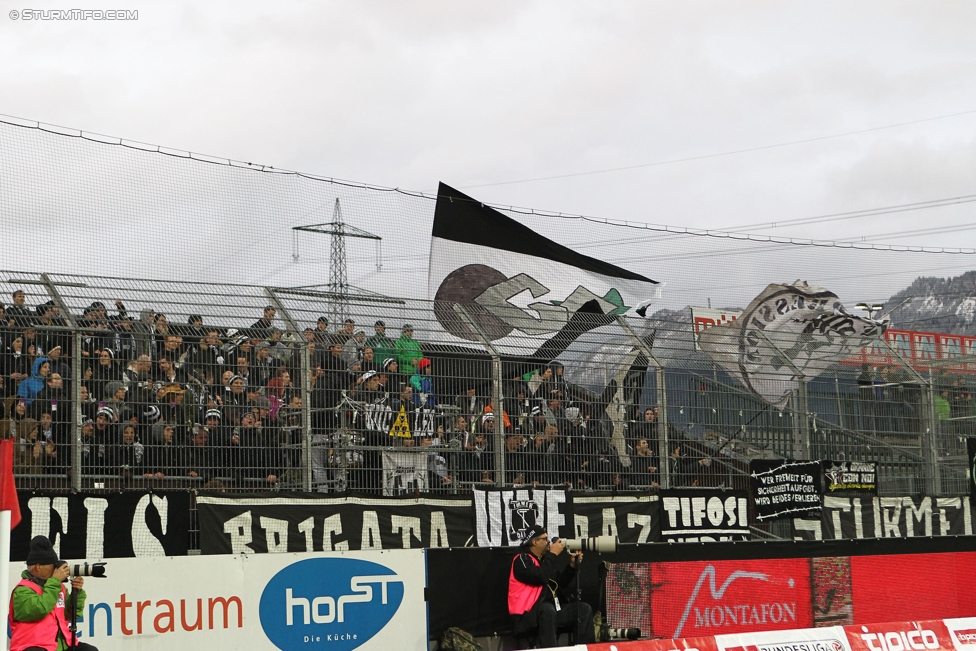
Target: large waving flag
x=788, y=334
x=483, y=260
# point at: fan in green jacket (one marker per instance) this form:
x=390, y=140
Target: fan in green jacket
x=383, y=347
x=408, y=351
x=942, y=407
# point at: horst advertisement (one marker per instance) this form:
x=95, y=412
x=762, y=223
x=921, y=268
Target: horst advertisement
x=343, y=601
x=706, y=598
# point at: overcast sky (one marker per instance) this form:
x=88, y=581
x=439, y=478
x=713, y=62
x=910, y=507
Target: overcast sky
x=480, y=94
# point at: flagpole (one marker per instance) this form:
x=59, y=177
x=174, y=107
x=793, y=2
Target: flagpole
x=4, y=569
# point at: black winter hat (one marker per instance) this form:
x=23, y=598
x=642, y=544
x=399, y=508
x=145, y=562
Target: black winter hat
x=531, y=534
x=41, y=552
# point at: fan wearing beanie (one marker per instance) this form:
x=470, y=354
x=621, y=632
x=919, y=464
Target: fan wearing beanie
x=38, y=617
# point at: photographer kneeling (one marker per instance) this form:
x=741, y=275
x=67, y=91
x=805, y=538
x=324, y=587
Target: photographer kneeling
x=534, y=592
x=38, y=617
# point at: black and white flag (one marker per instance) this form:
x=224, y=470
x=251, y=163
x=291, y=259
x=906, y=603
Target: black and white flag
x=486, y=263
x=788, y=334
x=704, y=515
x=405, y=471
x=785, y=488
x=502, y=517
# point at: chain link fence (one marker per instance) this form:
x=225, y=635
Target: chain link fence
x=128, y=384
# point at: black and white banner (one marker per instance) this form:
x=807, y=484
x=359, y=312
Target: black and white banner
x=299, y=522
x=704, y=515
x=99, y=525
x=503, y=516
x=405, y=471
x=785, y=488
x=887, y=517
x=483, y=259
x=787, y=335
x=631, y=518
x=850, y=477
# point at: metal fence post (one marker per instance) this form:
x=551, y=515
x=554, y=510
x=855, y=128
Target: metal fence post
x=663, y=445
x=803, y=408
x=499, y=429
x=840, y=403
x=306, y=418
x=928, y=421
x=930, y=447
x=77, y=411
x=499, y=410
x=306, y=388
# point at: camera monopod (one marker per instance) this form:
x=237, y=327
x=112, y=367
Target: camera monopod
x=94, y=570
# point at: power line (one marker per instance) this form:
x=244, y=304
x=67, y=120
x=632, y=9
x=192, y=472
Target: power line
x=213, y=160
x=720, y=154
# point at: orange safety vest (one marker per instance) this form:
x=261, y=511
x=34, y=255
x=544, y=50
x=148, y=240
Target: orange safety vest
x=44, y=632
x=521, y=596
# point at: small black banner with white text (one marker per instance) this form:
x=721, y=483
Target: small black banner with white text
x=850, y=477
x=783, y=488
x=704, y=515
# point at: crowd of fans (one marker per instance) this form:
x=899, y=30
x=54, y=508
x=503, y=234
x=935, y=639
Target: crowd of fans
x=189, y=400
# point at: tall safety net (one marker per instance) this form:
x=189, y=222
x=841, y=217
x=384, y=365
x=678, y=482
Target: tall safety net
x=224, y=323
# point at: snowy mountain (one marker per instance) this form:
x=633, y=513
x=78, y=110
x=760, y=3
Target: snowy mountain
x=937, y=305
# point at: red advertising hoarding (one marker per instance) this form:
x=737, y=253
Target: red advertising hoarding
x=703, y=598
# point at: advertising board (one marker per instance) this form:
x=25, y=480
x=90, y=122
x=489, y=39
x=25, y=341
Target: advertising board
x=917, y=635
x=340, y=601
x=701, y=598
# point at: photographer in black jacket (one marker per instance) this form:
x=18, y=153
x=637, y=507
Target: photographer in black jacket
x=537, y=588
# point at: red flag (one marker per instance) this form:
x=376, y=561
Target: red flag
x=8, y=488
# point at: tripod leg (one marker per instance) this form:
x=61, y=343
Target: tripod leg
x=73, y=613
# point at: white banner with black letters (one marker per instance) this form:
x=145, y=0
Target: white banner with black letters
x=886, y=517
x=298, y=522
x=704, y=515
x=503, y=516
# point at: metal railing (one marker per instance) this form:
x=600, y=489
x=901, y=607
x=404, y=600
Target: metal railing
x=174, y=384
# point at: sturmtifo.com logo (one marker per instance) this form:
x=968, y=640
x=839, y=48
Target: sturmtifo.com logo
x=332, y=603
